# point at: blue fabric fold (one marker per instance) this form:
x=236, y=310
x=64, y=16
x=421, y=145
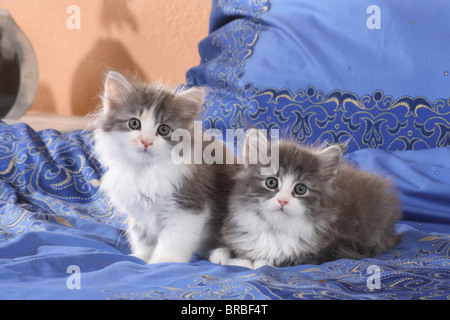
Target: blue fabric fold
x=49, y=223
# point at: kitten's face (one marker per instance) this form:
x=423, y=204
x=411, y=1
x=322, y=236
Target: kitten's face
x=138, y=120
x=296, y=191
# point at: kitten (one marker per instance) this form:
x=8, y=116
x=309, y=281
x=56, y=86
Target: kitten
x=314, y=208
x=171, y=208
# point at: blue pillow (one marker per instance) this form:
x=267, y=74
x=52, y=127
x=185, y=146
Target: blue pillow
x=330, y=71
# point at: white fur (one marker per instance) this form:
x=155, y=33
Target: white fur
x=140, y=183
x=180, y=237
x=220, y=256
x=223, y=256
x=146, y=197
x=275, y=234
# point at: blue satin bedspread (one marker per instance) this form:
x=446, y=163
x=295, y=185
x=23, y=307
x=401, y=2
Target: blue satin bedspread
x=53, y=220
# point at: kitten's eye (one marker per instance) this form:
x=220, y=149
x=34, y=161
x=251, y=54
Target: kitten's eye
x=163, y=130
x=134, y=124
x=300, y=189
x=271, y=183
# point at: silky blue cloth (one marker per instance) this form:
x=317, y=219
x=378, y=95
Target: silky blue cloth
x=53, y=217
x=374, y=74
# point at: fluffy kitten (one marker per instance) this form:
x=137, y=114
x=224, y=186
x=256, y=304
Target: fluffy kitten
x=171, y=208
x=314, y=208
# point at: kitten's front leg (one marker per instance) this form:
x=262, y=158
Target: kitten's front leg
x=141, y=243
x=240, y=262
x=220, y=256
x=223, y=256
x=248, y=263
x=260, y=263
x=179, y=238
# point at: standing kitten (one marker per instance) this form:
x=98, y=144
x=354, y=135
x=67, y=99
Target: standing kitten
x=314, y=208
x=171, y=208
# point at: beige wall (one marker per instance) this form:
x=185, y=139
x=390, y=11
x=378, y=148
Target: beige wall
x=156, y=39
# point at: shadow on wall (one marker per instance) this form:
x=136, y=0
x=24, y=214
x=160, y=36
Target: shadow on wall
x=106, y=54
x=88, y=79
x=117, y=13
x=44, y=101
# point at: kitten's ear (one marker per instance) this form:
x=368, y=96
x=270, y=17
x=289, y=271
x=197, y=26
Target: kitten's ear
x=190, y=102
x=254, y=141
x=116, y=86
x=331, y=159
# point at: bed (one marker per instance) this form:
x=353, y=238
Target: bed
x=293, y=66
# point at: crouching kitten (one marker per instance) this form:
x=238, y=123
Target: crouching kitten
x=314, y=208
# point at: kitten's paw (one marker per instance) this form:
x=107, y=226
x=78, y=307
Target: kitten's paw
x=261, y=263
x=240, y=262
x=220, y=256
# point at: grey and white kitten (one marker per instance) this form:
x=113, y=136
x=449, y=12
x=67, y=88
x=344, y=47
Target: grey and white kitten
x=314, y=208
x=171, y=208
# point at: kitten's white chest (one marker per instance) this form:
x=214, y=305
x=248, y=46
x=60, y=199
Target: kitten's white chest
x=140, y=192
x=276, y=246
x=265, y=242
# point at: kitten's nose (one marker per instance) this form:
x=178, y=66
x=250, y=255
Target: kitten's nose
x=146, y=143
x=282, y=202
